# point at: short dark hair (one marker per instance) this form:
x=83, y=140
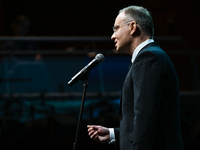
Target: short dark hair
x=142, y=17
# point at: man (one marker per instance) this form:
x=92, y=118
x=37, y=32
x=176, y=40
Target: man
x=149, y=108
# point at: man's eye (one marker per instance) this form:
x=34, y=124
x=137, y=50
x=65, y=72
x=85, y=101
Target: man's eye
x=116, y=28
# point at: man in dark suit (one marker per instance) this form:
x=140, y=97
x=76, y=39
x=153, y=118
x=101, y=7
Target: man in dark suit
x=150, y=104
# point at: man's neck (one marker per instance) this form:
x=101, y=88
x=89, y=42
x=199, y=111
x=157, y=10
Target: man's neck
x=137, y=41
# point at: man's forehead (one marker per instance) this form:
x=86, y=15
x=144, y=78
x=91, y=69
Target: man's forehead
x=120, y=18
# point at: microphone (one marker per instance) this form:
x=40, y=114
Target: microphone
x=98, y=58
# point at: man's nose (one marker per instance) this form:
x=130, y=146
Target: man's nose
x=113, y=36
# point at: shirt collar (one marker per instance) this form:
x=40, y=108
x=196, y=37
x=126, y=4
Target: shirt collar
x=139, y=47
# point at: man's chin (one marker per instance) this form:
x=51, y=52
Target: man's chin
x=118, y=50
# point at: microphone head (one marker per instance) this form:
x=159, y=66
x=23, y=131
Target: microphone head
x=99, y=57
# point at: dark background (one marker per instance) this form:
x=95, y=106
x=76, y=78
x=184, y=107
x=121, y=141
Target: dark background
x=52, y=121
x=95, y=18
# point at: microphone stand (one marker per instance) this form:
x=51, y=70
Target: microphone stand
x=85, y=85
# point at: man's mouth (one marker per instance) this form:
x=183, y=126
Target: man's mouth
x=116, y=44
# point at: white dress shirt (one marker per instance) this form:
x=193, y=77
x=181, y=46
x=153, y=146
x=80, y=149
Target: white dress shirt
x=135, y=53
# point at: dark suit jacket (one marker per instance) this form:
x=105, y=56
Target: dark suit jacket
x=150, y=104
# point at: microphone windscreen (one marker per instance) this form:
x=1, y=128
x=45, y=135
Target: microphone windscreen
x=99, y=57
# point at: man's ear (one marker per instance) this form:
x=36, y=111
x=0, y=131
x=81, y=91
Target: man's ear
x=133, y=26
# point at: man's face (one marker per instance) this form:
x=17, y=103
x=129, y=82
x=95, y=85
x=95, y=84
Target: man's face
x=122, y=34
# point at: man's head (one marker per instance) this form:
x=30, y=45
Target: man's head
x=132, y=22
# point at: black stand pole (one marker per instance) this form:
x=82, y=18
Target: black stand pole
x=85, y=85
